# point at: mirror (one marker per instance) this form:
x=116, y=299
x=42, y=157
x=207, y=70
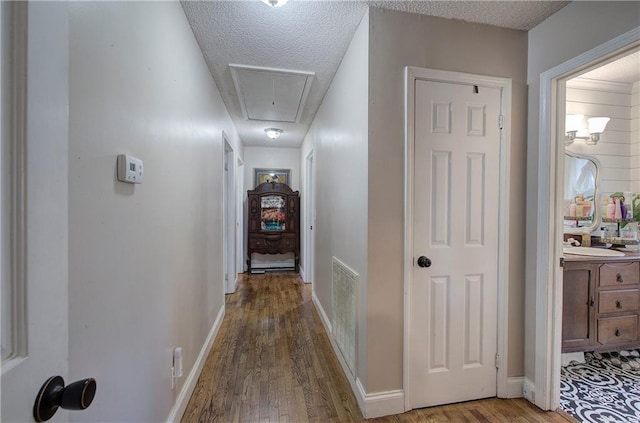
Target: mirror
x=273, y=214
x=581, y=182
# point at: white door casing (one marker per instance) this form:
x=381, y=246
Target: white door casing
x=239, y=216
x=456, y=193
x=229, y=217
x=40, y=118
x=310, y=213
x=548, y=306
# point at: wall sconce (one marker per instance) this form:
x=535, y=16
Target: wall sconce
x=574, y=123
x=273, y=133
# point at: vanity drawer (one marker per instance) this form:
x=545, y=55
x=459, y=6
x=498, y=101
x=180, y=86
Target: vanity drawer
x=618, y=301
x=620, y=274
x=616, y=330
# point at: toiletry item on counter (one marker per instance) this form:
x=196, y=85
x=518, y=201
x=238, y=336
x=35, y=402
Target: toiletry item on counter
x=629, y=232
x=586, y=238
x=611, y=210
x=580, y=207
x=605, y=201
x=618, y=210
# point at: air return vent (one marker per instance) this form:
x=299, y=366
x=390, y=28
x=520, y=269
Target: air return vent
x=344, y=304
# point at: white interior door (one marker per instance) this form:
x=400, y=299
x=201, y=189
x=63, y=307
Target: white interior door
x=453, y=303
x=34, y=228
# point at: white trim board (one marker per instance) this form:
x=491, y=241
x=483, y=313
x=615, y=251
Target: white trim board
x=411, y=75
x=546, y=384
x=180, y=406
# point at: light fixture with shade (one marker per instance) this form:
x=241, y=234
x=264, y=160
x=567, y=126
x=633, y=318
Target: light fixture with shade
x=273, y=133
x=275, y=3
x=574, y=123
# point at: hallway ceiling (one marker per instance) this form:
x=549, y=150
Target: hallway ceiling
x=310, y=36
x=624, y=70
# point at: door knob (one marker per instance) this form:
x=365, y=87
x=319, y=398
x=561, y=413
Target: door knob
x=53, y=394
x=424, y=261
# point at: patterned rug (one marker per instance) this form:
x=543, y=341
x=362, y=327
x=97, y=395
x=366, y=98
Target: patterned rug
x=604, y=389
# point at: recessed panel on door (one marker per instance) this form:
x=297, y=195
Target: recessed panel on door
x=475, y=199
x=439, y=328
x=473, y=321
x=440, y=202
x=476, y=120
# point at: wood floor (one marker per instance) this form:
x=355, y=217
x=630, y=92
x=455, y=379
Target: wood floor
x=272, y=362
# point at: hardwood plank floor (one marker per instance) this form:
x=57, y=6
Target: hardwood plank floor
x=272, y=362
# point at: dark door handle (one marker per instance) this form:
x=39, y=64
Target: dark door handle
x=424, y=261
x=53, y=394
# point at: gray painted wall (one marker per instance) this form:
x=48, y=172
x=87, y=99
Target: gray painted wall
x=398, y=39
x=338, y=137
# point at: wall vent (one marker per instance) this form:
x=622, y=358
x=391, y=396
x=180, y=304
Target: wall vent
x=344, y=305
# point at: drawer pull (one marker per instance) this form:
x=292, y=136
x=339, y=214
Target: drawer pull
x=617, y=331
x=619, y=278
x=592, y=302
x=618, y=304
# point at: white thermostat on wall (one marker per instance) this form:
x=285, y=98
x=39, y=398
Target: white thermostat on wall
x=130, y=169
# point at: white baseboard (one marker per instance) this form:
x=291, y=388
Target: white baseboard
x=515, y=387
x=180, y=405
x=529, y=391
x=323, y=317
x=381, y=403
x=371, y=405
x=303, y=275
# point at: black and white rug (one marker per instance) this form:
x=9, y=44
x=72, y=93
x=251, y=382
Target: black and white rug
x=604, y=389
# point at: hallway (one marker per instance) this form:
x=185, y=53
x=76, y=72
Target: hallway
x=272, y=362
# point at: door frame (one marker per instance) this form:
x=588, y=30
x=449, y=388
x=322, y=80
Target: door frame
x=548, y=329
x=505, y=388
x=309, y=243
x=229, y=204
x=240, y=216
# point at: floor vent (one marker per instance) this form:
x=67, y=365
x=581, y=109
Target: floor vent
x=344, y=305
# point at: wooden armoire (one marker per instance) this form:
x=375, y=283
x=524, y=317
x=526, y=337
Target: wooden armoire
x=273, y=227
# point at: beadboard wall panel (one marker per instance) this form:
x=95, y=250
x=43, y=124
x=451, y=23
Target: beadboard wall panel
x=614, y=150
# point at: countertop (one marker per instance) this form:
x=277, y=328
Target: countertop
x=628, y=255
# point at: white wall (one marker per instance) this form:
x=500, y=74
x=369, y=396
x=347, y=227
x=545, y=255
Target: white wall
x=144, y=260
x=271, y=158
x=338, y=138
x=573, y=30
x=635, y=138
x=613, y=151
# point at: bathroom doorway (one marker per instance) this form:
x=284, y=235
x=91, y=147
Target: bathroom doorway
x=589, y=356
x=548, y=337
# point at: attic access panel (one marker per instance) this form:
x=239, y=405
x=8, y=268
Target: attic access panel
x=268, y=94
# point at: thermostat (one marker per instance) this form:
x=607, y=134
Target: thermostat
x=130, y=169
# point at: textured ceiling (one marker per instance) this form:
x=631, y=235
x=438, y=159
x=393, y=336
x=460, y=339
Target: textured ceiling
x=313, y=36
x=625, y=70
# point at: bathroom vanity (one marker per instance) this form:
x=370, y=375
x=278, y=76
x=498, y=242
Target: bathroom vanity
x=601, y=303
